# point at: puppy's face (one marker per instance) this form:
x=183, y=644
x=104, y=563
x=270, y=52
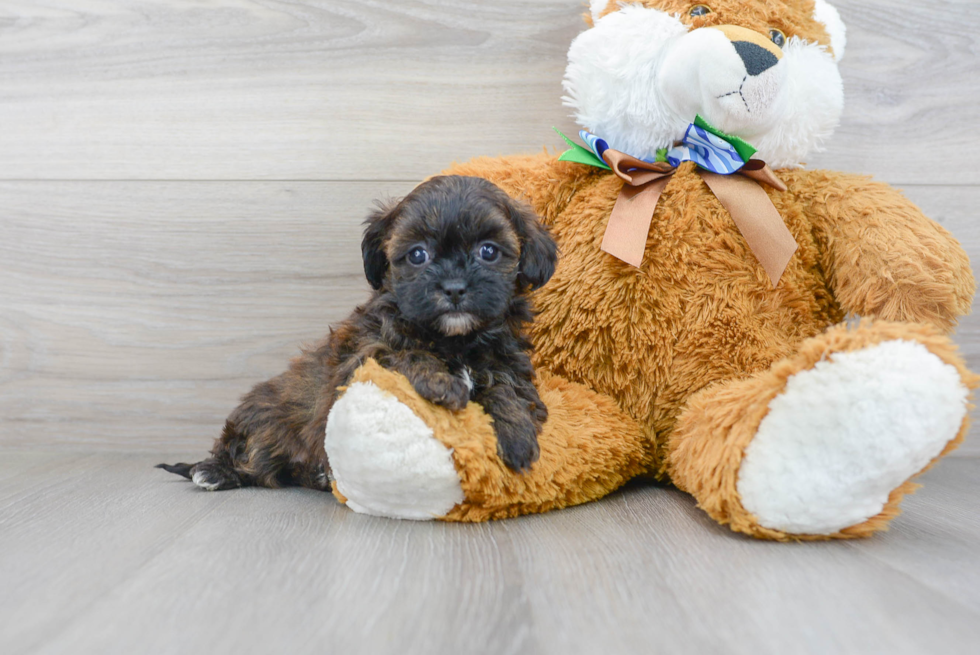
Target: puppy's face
x=455, y=251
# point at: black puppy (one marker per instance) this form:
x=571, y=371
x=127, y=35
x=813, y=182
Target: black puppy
x=451, y=265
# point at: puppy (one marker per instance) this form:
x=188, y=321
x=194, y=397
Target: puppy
x=451, y=266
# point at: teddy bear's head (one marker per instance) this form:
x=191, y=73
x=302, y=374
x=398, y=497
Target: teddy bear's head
x=763, y=70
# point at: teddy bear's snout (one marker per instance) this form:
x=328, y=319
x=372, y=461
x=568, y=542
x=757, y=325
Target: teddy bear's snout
x=729, y=75
x=758, y=53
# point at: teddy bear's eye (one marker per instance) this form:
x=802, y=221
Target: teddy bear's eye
x=699, y=10
x=777, y=37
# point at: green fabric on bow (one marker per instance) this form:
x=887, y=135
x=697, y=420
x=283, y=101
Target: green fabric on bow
x=707, y=146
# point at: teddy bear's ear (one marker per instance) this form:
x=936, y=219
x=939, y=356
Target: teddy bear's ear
x=825, y=13
x=596, y=8
x=373, y=243
x=539, y=252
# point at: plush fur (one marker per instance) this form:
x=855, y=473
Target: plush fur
x=376, y=441
x=451, y=265
x=586, y=451
x=701, y=308
x=641, y=74
x=891, y=405
x=694, y=345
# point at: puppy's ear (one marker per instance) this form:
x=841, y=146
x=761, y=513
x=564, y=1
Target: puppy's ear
x=539, y=252
x=372, y=245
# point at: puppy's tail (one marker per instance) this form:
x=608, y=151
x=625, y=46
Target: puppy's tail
x=179, y=468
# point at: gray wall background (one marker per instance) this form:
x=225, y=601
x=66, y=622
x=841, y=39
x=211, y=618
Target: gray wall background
x=182, y=183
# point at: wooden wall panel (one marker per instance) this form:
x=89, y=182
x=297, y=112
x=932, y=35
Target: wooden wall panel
x=181, y=183
x=397, y=89
x=133, y=314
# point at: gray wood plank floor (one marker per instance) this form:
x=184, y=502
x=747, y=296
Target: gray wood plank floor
x=101, y=554
x=181, y=188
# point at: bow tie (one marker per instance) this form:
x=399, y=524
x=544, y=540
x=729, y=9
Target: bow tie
x=718, y=157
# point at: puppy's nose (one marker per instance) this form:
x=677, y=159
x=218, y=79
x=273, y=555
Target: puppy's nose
x=454, y=290
x=757, y=59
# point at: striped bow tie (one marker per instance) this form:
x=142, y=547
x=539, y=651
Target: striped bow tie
x=701, y=144
x=719, y=157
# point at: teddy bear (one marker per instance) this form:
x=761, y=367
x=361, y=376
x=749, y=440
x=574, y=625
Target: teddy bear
x=769, y=339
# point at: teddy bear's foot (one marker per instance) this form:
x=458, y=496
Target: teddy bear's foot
x=846, y=433
x=385, y=460
x=824, y=443
x=394, y=454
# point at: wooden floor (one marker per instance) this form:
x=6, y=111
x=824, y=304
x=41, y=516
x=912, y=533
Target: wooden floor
x=181, y=190
x=99, y=553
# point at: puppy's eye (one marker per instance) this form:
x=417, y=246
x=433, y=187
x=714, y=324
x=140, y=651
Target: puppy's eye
x=777, y=37
x=417, y=256
x=699, y=10
x=489, y=252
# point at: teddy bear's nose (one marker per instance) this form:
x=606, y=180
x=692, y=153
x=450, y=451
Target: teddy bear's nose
x=758, y=53
x=756, y=59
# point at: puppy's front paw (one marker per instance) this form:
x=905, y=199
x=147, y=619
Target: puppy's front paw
x=445, y=390
x=517, y=444
x=540, y=413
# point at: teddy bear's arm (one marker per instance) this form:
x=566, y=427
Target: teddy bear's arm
x=539, y=180
x=882, y=256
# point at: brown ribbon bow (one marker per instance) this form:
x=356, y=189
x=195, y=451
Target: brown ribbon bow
x=741, y=194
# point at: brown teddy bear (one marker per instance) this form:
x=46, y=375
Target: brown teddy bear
x=694, y=328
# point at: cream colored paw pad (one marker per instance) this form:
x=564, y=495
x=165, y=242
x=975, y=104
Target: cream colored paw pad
x=385, y=459
x=847, y=432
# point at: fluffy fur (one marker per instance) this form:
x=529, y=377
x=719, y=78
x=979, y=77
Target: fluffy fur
x=892, y=405
x=694, y=345
x=639, y=77
x=828, y=16
x=700, y=309
x=451, y=265
x=708, y=444
x=587, y=449
x=375, y=441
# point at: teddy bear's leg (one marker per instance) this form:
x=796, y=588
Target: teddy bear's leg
x=394, y=454
x=824, y=443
